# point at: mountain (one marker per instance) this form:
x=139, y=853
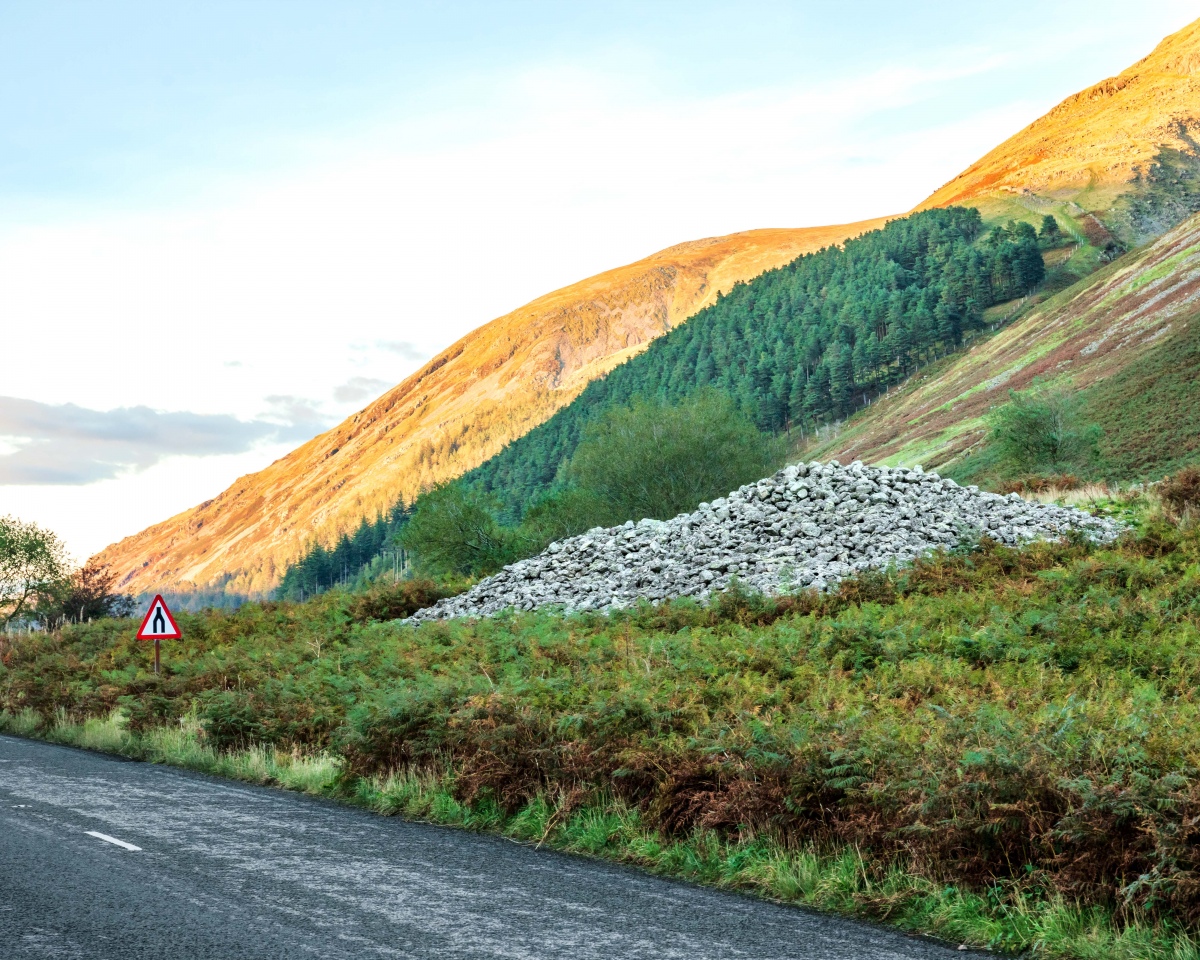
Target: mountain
x=1128, y=338
x=1115, y=164
x=1088, y=148
x=462, y=407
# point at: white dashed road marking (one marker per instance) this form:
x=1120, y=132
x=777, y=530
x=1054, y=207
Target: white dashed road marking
x=107, y=839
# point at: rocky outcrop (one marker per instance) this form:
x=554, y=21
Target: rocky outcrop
x=806, y=526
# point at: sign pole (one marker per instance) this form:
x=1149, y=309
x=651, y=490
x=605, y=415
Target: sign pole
x=159, y=625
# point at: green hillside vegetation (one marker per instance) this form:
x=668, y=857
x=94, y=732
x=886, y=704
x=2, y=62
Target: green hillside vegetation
x=807, y=343
x=355, y=559
x=1145, y=418
x=650, y=459
x=995, y=745
x=1149, y=411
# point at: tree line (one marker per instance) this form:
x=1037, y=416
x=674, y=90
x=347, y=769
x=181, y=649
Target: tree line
x=321, y=567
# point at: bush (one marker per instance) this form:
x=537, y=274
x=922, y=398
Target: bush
x=1181, y=491
x=657, y=460
x=1039, y=430
x=231, y=722
x=394, y=601
x=455, y=531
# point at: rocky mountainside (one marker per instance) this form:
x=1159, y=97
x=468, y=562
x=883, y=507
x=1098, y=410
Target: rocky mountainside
x=809, y=525
x=494, y=384
x=1087, y=147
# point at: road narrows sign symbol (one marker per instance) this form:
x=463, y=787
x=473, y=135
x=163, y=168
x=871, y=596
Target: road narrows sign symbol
x=159, y=624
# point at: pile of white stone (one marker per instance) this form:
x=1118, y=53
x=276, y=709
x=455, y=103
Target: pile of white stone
x=806, y=526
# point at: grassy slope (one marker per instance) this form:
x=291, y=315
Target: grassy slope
x=998, y=747
x=1150, y=410
x=1133, y=318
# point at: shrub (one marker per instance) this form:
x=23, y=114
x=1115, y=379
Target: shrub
x=231, y=722
x=1039, y=430
x=454, y=530
x=1181, y=491
x=394, y=601
x=657, y=460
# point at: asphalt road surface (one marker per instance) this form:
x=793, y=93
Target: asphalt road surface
x=104, y=858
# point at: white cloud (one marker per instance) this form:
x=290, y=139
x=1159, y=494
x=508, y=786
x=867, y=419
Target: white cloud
x=71, y=445
x=402, y=348
x=358, y=389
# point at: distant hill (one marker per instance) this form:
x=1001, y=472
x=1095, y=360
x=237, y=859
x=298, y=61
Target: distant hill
x=462, y=407
x=1080, y=159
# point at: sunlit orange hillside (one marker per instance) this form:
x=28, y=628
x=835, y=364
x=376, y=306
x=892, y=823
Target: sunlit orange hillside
x=493, y=385
x=1086, y=148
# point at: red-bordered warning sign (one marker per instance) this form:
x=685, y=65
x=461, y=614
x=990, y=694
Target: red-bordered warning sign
x=159, y=624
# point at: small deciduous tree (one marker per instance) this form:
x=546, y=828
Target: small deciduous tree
x=86, y=594
x=658, y=460
x=33, y=565
x=1041, y=429
x=454, y=530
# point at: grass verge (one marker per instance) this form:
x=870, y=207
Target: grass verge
x=840, y=880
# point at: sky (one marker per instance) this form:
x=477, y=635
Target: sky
x=226, y=226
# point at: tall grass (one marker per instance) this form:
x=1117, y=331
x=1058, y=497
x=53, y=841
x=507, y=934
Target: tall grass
x=181, y=745
x=830, y=878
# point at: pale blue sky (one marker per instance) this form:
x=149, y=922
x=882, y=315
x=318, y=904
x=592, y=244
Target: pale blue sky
x=141, y=103
x=232, y=223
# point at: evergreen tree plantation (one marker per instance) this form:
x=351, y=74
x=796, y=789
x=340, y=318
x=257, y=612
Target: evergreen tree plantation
x=810, y=342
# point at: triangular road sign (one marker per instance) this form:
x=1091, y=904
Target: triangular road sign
x=159, y=624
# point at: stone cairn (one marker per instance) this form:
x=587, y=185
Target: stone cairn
x=807, y=526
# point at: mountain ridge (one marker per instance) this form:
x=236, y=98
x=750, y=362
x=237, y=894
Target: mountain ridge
x=1092, y=141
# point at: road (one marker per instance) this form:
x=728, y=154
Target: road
x=225, y=870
